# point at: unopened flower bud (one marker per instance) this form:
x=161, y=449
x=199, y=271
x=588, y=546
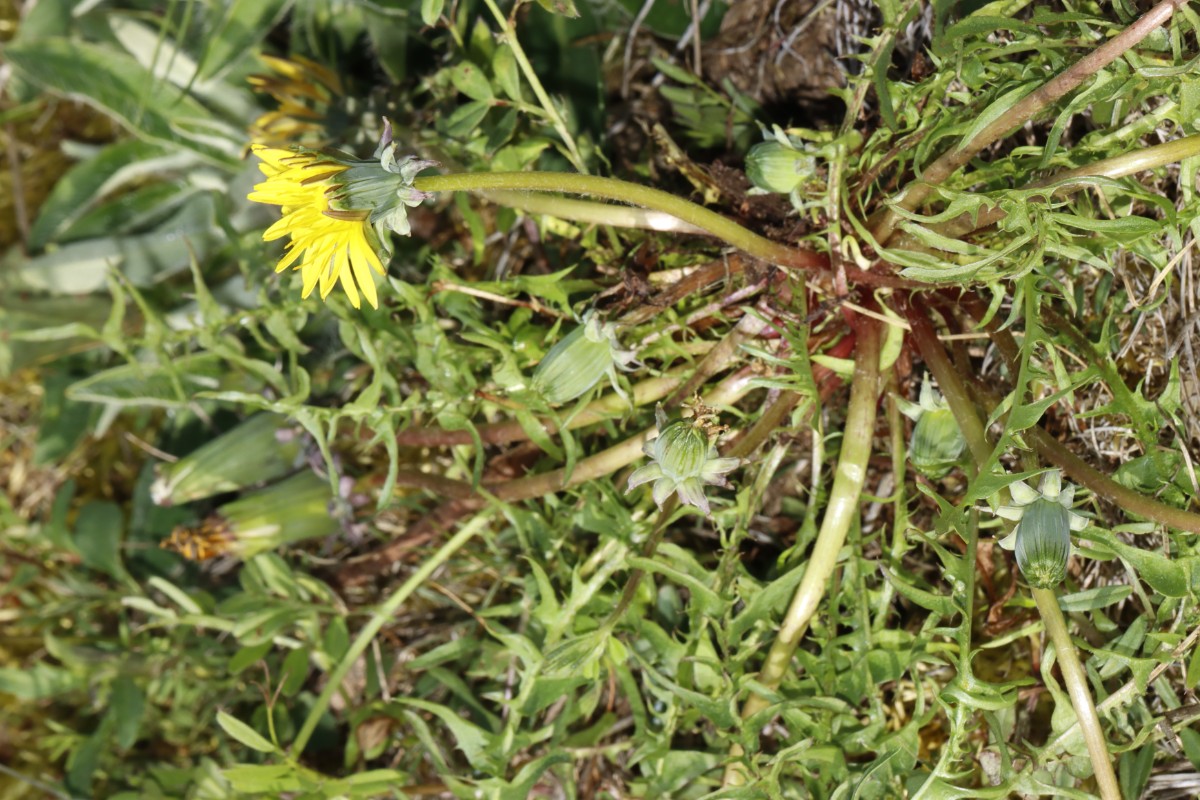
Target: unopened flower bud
x=1044, y=543
x=578, y=361
x=937, y=443
x=259, y=450
x=777, y=168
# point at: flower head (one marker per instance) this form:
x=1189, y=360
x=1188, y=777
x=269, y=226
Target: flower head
x=1044, y=519
x=683, y=460
x=337, y=210
x=777, y=167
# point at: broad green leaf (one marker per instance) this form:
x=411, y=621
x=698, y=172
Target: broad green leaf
x=937, y=603
x=708, y=602
x=1169, y=576
x=504, y=68
x=114, y=82
x=465, y=120
x=127, y=705
x=85, y=760
x=431, y=10
x=1131, y=227
x=242, y=24
x=563, y=7
x=276, y=780
x=295, y=672
x=1091, y=599
x=244, y=733
x=471, y=81
x=151, y=384
x=479, y=746
x=112, y=167
x=336, y=640
x=145, y=259
x=1134, y=770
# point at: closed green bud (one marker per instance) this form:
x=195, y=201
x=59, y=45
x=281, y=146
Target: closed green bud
x=937, y=443
x=777, y=168
x=1043, y=543
x=261, y=449
x=578, y=361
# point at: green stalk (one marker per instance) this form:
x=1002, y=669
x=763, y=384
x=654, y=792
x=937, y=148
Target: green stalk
x=384, y=614
x=957, y=396
x=635, y=194
x=560, y=126
x=956, y=393
x=1077, y=687
x=840, y=512
x=591, y=212
x=1023, y=111
x=953, y=389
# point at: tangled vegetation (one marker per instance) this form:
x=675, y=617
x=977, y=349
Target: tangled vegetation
x=599, y=398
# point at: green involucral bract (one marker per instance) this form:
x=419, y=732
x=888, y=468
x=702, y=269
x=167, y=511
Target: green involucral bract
x=579, y=360
x=294, y=510
x=383, y=186
x=261, y=449
x=1042, y=540
x=683, y=460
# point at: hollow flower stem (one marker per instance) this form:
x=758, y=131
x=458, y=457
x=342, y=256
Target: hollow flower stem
x=843, y=505
x=590, y=212
x=958, y=397
x=635, y=194
x=955, y=390
x=1080, y=693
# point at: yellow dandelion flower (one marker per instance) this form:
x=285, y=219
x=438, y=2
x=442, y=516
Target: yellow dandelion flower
x=337, y=210
x=327, y=246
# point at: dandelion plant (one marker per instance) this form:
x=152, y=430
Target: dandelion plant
x=646, y=401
